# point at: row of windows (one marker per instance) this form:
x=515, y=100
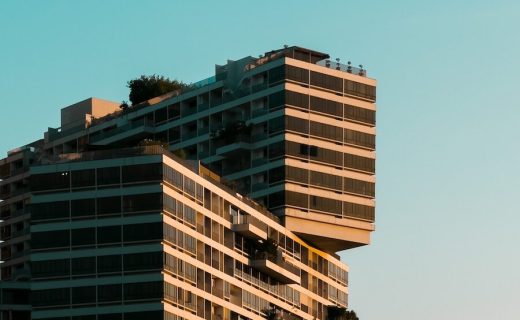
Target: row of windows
x=337, y=273
x=329, y=107
x=267, y=284
x=324, y=155
x=330, y=82
x=63, y=268
x=180, y=297
x=92, y=177
x=179, y=239
x=188, y=186
x=322, y=180
x=111, y=293
x=180, y=268
x=337, y=296
x=110, y=235
x=323, y=130
x=327, y=205
x=254, y=303
x=178, y=210
x=84, y=208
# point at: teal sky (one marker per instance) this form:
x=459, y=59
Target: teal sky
x=447, y=244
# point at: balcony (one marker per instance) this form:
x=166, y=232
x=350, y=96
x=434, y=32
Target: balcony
x=249, y=226
x=276, y=267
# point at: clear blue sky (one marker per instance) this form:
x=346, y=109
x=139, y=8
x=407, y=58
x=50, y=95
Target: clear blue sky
x=447, y=240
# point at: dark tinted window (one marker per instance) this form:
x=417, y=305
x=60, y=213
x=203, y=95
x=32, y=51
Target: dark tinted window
x=51, y=268
x=49, y=181
x=51, y=210
x=109, y=264
x=143, y=261
x=142, y=232
x=326, y=81
x=276, y=74
x=50, y=239
x=276, y=99
x=142, y=202
x=81, y=266
x=110, y=292
x=82, y=295
x=108, y=205
x=297, y=74
x=140, y=291
x=108, y=175
x=83, y=237
x=83, y=178
x=50, y=297
x=111, y=234
x=83, y=207
x=142, y=172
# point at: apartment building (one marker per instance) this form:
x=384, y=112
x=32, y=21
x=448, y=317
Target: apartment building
x=265, y=171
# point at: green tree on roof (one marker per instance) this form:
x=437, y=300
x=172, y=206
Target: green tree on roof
x=147, y=87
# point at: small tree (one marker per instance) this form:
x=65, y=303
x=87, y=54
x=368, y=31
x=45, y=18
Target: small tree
x=351, y=315
x=147, y=87
x=266, y=249
x=339, y=313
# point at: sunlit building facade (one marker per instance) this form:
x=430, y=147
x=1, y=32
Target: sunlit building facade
x=228, y=199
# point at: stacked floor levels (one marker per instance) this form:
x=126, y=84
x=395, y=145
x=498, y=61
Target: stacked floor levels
x=123, y=232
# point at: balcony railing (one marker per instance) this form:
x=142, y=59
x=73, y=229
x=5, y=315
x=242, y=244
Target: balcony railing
x=276, y=267
x=342, y=67
x=142, y=123
x=249, y=226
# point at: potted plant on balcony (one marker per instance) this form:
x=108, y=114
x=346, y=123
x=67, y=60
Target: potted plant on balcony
x=266, y=249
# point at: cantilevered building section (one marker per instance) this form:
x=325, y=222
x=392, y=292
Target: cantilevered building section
x=266, y=170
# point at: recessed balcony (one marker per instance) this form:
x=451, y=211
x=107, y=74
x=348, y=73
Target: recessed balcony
x=276, y=267
x=249, y=226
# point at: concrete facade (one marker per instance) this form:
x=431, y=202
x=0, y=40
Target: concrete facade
x=270, y=170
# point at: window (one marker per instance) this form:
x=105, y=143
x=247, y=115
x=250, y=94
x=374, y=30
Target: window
x=143, y=291
x=109, y=235
x=108, y=176
x=326, y=81
x=276, y=99
x=83, y=207
x=50, y=297
x=308, y=150
x=50, y=239
x=297, y=74
x=297, y=99
x=108, y=205
x=83, y=266
x=110, y=293
x=276, y=74
x=83, y=295
x=83, y=178
x=83, y=237
x=143, y=232
x=109, y=264
x=52, y=210
x=142, y=172
x=143, y=261
x=50, y=181
x=142, y=202
x=51, y=268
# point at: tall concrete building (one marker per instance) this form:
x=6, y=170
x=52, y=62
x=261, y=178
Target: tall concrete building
x=228, y=199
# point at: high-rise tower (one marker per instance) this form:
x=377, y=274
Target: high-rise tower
x=98, y=224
